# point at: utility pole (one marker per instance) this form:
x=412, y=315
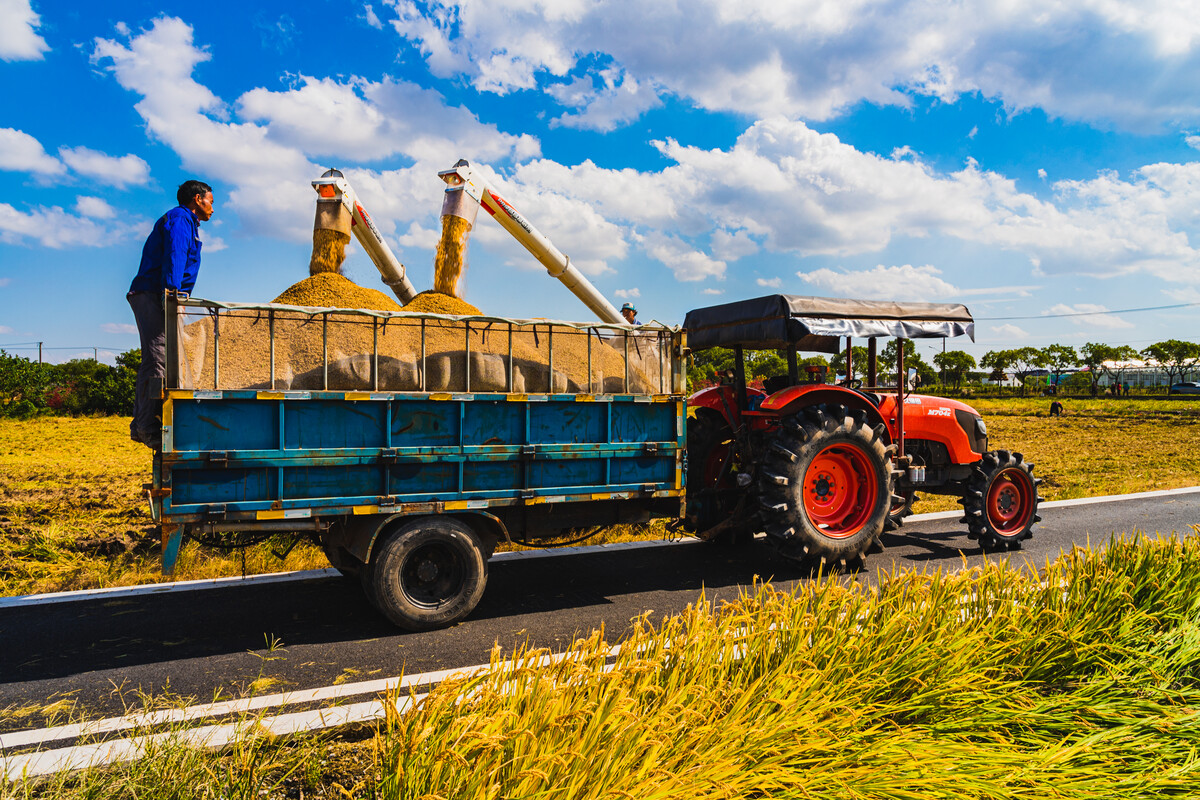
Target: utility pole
x=39, y=352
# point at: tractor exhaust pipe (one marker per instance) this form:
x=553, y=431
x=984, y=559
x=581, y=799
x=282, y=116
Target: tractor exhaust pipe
x=466, y=191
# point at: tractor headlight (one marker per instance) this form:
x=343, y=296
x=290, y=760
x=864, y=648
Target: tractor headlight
x=980, y=427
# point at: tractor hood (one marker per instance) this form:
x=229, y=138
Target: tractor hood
x=817, y=323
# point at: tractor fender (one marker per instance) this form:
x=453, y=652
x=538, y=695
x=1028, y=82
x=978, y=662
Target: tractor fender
x=711, y=398
x=789, y=401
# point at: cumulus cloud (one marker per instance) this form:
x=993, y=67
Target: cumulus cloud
x=770, y=283
x=1091, y=316
x=58, y=229
x=261, y=149
x=19, y=40
x=712, y=291
x=118, y=171
x=685, y=262
x=628, y=294
x=1090, y=60
x=94, y=207
x=119, y=327
x=20, y=152
x=904, y=282
x=1011, y=332
x=617, y=100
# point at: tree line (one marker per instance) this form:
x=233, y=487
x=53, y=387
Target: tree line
x=952, y=368
x=80, y=386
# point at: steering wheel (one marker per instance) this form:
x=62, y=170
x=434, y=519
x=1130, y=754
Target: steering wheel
x=855, y=384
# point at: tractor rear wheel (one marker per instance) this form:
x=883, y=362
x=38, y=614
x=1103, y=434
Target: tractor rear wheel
x=710, y=477
x=1001, y=500
x=826, y=485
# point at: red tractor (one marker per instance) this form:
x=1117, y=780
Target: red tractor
x=825, y=469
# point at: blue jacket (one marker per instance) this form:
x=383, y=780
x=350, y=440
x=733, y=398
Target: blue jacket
x=171, y=255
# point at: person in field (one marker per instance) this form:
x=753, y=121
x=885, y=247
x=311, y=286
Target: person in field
x=170, y=263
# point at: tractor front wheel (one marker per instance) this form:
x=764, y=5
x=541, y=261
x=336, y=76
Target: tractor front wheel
x=1001, y=500
x=826, y=485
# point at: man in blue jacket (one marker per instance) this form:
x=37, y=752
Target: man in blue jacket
x=170, y=262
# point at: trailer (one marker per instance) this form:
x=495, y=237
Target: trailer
x=409, y=471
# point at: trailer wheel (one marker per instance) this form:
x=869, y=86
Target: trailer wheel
x=1001, y=500
x=428, y=573
x=710, y=450
x=826, y=486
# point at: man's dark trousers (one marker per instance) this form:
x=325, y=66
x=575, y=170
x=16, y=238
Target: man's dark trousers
x=147, y=411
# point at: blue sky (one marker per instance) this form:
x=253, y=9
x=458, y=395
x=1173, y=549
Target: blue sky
x=1032, y=161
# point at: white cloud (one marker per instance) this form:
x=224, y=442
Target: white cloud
x=732, y=246
x=94, y=207
x=1009, y=331
x=57, y=229
x=19, y=40
x=20, y=152
x=5, y=329
x=1041, y=173
x=371, y=17
x=119, y=327
x=712, y=291
x=974, y=130
x=1193, y=141
x=5, y=282
x=628, y=294
x=1091, y=60
x=618, y=100
x=772, y=283
x=904, y=282
x=122, y=171
x=263, y=164
x=687, y=263
x=1094, y=318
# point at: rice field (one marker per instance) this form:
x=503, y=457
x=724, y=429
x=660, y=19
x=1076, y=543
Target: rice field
x=1081, y=682
x=73, y=515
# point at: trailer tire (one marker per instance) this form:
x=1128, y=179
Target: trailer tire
x=1001, y=502
x=836, y=488
x=427, y=573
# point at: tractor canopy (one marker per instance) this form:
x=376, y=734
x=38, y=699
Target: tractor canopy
x=817, y=323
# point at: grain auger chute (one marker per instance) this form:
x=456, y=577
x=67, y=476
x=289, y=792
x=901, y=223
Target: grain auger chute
x=466, y=190
x=338, y=209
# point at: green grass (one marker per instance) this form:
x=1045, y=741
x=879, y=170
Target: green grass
x=73, y=516
x=1082, y=682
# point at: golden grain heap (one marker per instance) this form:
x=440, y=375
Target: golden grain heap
x=335, y=351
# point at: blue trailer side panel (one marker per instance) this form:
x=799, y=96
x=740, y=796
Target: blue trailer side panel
x=257, y=453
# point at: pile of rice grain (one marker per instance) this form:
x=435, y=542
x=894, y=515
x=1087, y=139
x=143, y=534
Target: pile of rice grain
x=301, y=342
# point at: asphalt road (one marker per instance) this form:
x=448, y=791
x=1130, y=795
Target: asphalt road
x=215, y=643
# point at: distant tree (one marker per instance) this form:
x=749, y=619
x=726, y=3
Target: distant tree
x=837, y=363
x=955, y=364
x=23, y=385
x=1117, y=364
x=1175, y=357
x=1093, y=355
x=1059, y=358
x=1025, y=361
x=998, y=361
x=758, y=364
x=912, y=360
